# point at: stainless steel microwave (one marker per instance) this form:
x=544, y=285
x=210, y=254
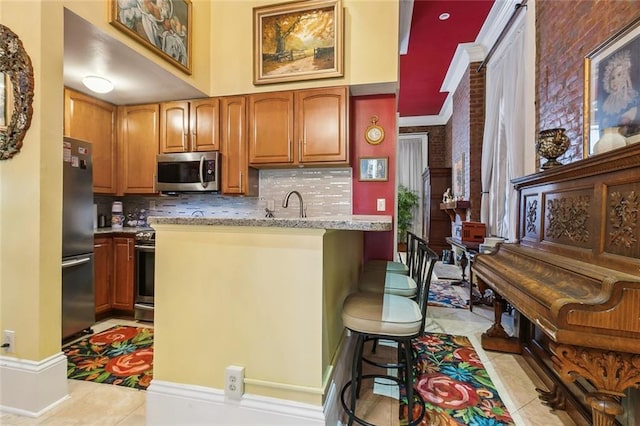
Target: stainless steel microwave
x=188, y=172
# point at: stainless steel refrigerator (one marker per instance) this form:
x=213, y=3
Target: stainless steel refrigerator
x=78, y=306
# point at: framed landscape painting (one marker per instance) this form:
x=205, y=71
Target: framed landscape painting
x=295, y=41
x=612, y=91
x=164, y=26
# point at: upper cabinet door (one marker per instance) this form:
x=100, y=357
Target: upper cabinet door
x=139, y=147
x=271, y=128
x=321, y=125
x=174, y=127
x=205, y=131
x=94, y=121
x=234, y=144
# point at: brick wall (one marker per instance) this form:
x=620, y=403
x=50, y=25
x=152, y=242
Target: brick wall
x=437, y=143
x=467, y=128
x=567, y=31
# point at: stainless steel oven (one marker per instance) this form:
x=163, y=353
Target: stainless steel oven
x=145, y=252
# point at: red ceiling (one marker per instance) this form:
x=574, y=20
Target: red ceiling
x=432, y=43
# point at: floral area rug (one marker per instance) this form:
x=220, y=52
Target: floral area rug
x=442, y=293
x=121, y=356
x=455, y=386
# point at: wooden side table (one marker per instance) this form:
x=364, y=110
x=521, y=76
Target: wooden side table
x=469, y=250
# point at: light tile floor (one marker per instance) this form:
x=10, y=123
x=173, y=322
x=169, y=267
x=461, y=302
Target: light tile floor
x=513, y=378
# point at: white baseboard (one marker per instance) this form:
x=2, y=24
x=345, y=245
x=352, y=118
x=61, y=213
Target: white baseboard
x=31, y=388
x=171, y=403
x=175, y=403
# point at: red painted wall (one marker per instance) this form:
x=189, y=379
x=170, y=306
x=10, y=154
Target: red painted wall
x=378, y=245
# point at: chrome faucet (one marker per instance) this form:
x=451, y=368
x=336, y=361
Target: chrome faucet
x=285, y=203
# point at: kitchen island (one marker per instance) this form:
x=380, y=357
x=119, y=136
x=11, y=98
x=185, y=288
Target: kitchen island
x=265, y=294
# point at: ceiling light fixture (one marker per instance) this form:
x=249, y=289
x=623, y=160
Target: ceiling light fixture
x=444, y=16
x=97, y=84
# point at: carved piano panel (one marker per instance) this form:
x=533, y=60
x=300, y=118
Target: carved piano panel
x=574, y=277
x=621, y=220
x=586, y=210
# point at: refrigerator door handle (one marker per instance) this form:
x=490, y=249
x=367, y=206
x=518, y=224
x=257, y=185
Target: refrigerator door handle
x=75, y=262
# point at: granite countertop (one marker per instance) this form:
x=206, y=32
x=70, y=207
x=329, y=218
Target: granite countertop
x=123, y=230
x=349, y=223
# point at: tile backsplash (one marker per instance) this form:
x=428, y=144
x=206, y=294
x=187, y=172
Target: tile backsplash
x=325, y=192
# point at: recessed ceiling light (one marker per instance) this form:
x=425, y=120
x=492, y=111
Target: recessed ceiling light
x=444, y=16
x=97, y=84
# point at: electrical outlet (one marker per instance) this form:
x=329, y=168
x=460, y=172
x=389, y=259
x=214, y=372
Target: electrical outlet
x=234, y=382
x=381, y=204
x=8, y=338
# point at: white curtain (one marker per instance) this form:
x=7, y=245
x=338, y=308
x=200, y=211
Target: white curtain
x=504, y=137
x=411, y=164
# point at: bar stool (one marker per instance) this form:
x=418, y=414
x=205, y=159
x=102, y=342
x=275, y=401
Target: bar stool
x=397, y=267
x=391, y=317
x=372, y=279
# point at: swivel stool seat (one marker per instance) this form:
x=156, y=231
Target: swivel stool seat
x=397, y=267
x=377, y=280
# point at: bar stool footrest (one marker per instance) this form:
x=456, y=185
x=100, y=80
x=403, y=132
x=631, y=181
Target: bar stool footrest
x=352, y=416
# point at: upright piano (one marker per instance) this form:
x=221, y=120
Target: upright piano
x=574, y=277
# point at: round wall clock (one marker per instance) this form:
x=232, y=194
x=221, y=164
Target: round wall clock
x=374, y=133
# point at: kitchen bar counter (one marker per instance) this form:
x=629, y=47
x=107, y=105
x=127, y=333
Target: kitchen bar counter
x=346, y=223
x=265, y=294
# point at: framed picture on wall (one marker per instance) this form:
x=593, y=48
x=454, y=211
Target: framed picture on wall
x=612, y=92
x=295, y=41
x=374, y=169
x=164, y=27
x=3, y=102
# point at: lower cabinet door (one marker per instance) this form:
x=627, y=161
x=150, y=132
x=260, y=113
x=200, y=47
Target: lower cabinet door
x=123, y=276
x=102, y=273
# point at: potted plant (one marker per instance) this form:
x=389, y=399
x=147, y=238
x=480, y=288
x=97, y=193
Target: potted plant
x=407, y=201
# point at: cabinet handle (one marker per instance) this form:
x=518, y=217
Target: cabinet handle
x=300, y=150
x=194, y=143
x=289, y=154
x=184, y=140
x=240, y=188
x=128, y=249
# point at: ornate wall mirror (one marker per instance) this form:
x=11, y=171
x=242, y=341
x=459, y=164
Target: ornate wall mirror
x=16, y=93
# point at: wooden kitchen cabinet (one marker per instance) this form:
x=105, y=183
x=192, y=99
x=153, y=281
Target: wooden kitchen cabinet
x=102, y=273
x=271, y=128
x=302, y=127
x=123, y=273
x=187, y=126
x=138, y=148
x=237, y=176
x=321, y=125
x=94, y=121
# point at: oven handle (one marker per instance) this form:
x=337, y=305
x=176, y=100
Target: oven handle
x=145, y=249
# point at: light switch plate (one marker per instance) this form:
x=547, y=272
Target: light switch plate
x=381, y=204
